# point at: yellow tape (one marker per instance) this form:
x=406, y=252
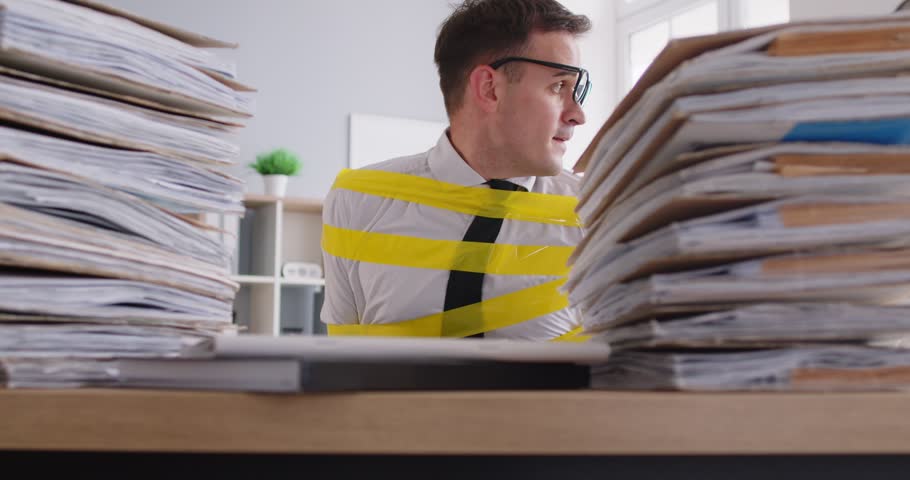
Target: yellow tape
x=573, y=335
x=485, y=202
x=416, y=252
x=492, y=314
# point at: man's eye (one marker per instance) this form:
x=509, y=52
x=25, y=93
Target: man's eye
x=558, y=87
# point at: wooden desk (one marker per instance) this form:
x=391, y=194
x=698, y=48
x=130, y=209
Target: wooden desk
x=574, y=423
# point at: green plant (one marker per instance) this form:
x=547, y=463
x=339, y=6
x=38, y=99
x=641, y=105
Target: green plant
x=277, y=162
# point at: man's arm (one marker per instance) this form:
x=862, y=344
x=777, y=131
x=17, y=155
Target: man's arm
x=339, y=307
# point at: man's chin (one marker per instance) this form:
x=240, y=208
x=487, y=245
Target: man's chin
x=551, y=168
x=540, y=166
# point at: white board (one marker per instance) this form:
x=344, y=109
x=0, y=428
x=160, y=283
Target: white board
x=376, y=138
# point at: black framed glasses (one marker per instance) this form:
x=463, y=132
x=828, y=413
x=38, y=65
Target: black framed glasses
x=582, y=84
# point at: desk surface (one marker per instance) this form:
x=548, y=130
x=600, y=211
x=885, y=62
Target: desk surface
x=490, y=423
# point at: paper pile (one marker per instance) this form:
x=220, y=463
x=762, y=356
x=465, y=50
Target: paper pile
x=112, y=132
x=747, y=209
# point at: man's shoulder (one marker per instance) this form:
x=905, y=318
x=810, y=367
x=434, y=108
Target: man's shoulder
x=342, y=205
x=411, y=165
x=563, y=183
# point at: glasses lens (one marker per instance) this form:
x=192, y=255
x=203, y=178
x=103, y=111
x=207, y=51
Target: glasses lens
x=582, y=87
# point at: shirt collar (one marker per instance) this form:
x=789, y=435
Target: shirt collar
x=446, y=165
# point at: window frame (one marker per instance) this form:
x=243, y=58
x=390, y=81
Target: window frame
x=642, y=14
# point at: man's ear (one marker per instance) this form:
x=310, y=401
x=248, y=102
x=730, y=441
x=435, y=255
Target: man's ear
x=482, y=87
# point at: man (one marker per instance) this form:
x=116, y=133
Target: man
x=470, y=238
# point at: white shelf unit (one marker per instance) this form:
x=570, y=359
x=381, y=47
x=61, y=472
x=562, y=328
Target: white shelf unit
x=273, y=231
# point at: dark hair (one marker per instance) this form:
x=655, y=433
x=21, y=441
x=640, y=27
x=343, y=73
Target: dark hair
x=480, y=31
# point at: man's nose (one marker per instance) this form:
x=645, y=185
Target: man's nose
x=574, y=115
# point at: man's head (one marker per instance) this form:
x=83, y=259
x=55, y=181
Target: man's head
x=509, y=74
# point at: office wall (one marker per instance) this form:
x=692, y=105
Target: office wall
x=314, y=63
x=598, y=55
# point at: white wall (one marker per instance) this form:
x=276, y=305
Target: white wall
x=811, y=9
x=598, y=55
x=315, y=62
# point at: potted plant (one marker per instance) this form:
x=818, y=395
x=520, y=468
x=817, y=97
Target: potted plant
x=275, y=167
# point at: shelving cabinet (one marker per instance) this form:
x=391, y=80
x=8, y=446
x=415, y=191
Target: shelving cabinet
x=272, y=232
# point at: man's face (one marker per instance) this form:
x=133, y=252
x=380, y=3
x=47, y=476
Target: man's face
x=538, y=114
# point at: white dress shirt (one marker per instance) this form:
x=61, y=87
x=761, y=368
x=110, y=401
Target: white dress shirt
x=370, y=293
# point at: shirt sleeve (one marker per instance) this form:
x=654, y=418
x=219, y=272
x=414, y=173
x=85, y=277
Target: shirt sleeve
x=338, y=306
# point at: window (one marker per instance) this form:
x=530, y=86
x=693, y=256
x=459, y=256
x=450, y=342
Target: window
x=645, y=26
x=757, y=13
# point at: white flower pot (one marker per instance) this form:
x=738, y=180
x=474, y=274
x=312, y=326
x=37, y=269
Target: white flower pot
x=275, y=185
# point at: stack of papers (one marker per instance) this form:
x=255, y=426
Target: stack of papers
x=292, y=363
x=114, y=133
x=179, y=186
x=747, y=209
x=92, y=44
x=807, y=368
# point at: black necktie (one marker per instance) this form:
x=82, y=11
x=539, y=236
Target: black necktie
x=466, y=288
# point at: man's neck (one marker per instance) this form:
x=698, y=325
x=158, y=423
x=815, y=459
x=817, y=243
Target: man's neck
x=473, y=150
